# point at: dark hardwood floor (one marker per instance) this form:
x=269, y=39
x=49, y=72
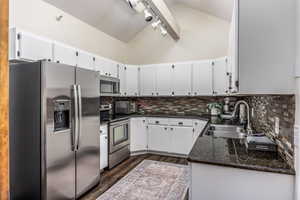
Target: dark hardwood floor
x=110, y=177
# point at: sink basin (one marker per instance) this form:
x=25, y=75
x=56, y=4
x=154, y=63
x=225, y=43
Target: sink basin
x=227, y=131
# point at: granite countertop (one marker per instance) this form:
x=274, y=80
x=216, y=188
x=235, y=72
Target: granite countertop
x=224, y=151
x=233, y=153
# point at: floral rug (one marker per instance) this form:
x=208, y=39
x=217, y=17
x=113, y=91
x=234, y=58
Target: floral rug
x=151, y=180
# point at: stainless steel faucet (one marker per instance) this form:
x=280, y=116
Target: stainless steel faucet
x=249, y=127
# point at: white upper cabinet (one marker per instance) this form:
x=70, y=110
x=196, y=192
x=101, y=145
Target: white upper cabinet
x=202, y=78
x=266, y=46
x=148, y=80
x=111, y=68
x=99, y=65
x=220, y=76
x=85, y=60
x=164, y=80
x=181, y=77
x=132, y=75
x=64, y=54
x=27, y=46
x=122, y=77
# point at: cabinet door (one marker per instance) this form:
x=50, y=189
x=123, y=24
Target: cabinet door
x=181, y=77
x=64, y=54
x=99, y=65
x=159, y=138
x=85, y=60
x=220, y=77
x=122, y=77
x=148, y=80
x=112, y=69
x=198, y=128
x=32, y=47
x=164, y=80
x=202, y=78
x=182, y=139
x=132, y=72
x=103, y=151
x=138, y=134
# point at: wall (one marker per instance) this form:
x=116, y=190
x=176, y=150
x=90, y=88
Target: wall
x=202, y=37
x=39, y=17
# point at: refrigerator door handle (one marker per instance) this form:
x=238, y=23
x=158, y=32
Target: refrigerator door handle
x=79, y=115
x=75, y=126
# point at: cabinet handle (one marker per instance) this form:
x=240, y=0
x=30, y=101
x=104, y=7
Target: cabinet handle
x=171, y=129
x=195, y=93
x=173, y=93
x=156, y=122
x=152, y=93
x=180, y=123
x=144, y=121
x=105, y=137
x=165, y=128
x=157, y=93
x=189, y=93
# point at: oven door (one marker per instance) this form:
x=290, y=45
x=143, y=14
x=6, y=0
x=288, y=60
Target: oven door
x=118, y=135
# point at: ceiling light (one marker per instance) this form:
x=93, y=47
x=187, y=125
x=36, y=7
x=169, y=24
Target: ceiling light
x=156, y=24
x=148, y=15
x=163, y=31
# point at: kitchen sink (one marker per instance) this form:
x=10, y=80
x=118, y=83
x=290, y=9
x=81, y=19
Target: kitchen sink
x=227, y=131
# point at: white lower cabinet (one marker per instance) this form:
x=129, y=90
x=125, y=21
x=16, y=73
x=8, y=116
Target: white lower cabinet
x=138, y=134
x=169, y=135
x=103, y=151
x=159, y=138
x=182, y=139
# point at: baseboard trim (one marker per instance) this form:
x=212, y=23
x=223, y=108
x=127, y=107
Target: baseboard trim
x=136, y=153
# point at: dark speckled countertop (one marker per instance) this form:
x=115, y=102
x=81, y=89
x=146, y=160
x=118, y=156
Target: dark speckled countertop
x=233, y=153
x=224, y=151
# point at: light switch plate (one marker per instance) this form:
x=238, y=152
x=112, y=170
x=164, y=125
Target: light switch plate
x=277, y=128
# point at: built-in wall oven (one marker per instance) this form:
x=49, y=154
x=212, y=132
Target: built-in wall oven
x=119, y=141
x=109, y=86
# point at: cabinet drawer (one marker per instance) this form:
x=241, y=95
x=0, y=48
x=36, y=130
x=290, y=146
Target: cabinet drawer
x=158, y=121
x=181, y=122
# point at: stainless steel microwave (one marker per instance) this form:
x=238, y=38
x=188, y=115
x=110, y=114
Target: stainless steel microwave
x=109, y=86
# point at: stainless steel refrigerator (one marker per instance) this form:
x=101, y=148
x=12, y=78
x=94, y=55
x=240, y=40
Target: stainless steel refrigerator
x=54, y=131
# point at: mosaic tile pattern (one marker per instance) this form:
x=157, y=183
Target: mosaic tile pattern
x=266, y=108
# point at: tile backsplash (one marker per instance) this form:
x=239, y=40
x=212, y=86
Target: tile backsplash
x=265, y=109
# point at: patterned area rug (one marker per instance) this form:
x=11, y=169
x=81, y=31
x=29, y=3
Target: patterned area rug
x=151, y=180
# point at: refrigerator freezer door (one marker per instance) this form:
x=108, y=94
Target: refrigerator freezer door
x=59, y=157
x=88, y=152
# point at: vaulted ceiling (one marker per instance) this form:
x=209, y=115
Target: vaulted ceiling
x=115, y=18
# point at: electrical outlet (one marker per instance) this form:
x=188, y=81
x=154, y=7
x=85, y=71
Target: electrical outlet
x=277, y=128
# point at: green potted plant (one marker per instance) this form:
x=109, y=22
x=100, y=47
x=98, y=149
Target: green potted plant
x=215, y=108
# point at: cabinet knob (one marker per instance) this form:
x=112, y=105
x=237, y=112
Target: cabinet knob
x=152, y=93
x=189, y=93
x=105, y=137
x=165, y=128
x=173, y=93
x=195, y=93
x=157, y=93
x=156, y=122
x=172, y=129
